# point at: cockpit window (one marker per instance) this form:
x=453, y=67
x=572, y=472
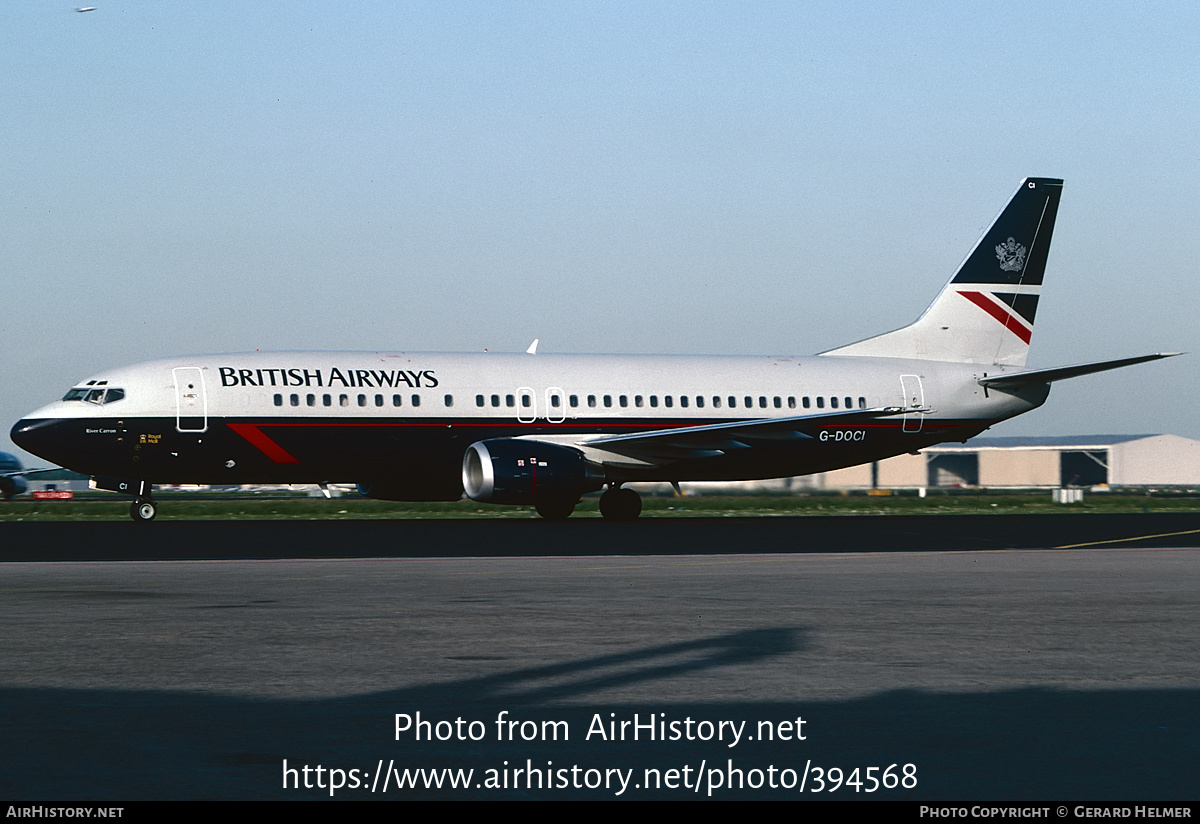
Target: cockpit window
x=96, y=395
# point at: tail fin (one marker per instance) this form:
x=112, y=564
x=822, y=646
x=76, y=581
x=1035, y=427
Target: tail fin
x=985, y=313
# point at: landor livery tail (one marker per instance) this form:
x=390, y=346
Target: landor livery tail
x=985, y=313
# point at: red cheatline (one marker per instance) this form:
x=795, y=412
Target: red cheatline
x=268, y=447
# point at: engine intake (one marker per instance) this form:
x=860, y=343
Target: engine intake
x=515, y=471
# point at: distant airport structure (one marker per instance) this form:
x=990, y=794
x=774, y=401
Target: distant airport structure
x=1020, y=463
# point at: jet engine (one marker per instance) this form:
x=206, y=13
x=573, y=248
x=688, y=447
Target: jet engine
x=11, y=481
x=516, y=471
x=12, y=485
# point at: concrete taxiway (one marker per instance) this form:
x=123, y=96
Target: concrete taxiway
x=996, y=674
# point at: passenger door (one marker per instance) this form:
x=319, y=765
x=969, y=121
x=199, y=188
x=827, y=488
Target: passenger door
x=191, y=403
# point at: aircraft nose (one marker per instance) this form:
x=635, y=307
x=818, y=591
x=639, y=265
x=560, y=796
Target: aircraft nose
x=34, y=435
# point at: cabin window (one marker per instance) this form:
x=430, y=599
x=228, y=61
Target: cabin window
x=510, y=401
x=749, y=402
x=820, y=402
x=574, y=401
x=849, y=403
x=833, y=402
x=654, y=401
x=683, y=401
x=592, y=401
x=862, y=403
x=778, y=402
x=555, y=401
x=495, y=400
x=396, y=401
x=762, y=401
x=278, y=399
x=791, y=401
x=608, y=401
x=668, y=401
x=623, y=401
x=807, y=403
x=378, y=400
x=732, y=402
x=362, y=400
x=526, y=401
x=416, y=400
x=311, y=400
x=479, y=400
x=449, y=400
x=295, y=399
x=700, y=401
x=638, y=400
x=327, y=400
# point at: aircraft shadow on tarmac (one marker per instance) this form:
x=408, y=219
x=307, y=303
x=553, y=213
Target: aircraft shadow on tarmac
x=96, y=744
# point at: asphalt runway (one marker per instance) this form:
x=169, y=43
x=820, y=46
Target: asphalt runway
x=223, y=540
x=976, y=672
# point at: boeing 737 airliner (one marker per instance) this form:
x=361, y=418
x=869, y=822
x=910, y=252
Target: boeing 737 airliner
x=546, y=429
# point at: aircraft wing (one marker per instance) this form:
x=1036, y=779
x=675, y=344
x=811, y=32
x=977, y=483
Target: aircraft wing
x=5, y=473
x=711, y=440
x=1023, y=379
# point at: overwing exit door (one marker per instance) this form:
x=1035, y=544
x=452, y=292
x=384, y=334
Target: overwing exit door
x=914, y=399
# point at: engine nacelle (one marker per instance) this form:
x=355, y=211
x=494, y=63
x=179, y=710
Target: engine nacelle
x=12, y=485
x=515, y=471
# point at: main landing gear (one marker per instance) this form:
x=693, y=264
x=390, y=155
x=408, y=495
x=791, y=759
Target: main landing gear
x=617, y=504
x=555, y=509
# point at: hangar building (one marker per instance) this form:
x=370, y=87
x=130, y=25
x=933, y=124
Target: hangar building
x=1051, y=462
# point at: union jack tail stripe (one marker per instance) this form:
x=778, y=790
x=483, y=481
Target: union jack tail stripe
x=1008, y=319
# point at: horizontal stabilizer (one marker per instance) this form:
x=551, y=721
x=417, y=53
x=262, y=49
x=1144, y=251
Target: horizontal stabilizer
x=1023, y=379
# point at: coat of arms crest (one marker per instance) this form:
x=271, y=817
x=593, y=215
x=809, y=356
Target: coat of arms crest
x=1011, y=255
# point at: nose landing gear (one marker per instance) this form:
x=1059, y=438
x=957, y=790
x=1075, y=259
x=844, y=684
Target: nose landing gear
x=617, y=504
x=143, y=509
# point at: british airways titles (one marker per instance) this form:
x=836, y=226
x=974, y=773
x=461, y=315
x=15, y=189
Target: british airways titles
x=424, y=379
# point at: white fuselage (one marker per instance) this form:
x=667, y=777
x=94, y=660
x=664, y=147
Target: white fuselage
x=354, y=417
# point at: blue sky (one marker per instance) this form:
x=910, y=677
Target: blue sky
x=729, y=178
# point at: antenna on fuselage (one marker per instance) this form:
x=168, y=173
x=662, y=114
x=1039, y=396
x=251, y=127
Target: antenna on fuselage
x=532, y=350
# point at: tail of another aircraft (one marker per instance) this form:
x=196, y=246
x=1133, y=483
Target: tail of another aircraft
x=985, y=313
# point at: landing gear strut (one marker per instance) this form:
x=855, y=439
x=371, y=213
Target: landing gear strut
x=617, y=504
